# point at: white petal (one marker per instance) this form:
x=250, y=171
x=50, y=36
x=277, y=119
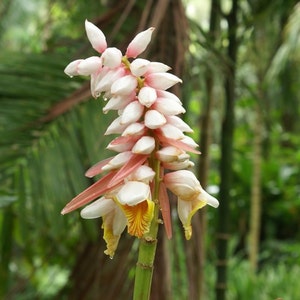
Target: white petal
x=89, y=65
x=178, y=165
x=139, y=43
x=179, y=123
x=183, y=183
x=138, y=67
x=171, y=154
x=184, y=208
x=108, y=79
x=132, y=112
x=157, y=67
x=120, y=147
x=162, y=81
x=98, y=208
x=95, y=36
x=189, y=141
x=118, y=102
x=111, y=57
x=134, y=129
x=115, y=127
x=72, y=68
x=133, y=192
x=168, y=106
x=143, y=173
x=166, y=94
x=145, y=145
x=124, y=85
x=154, y=119
x=147, y=96
x=118, y=161
x=210, y=200
x=96, y=78
x=171, y=132
x=119, y=222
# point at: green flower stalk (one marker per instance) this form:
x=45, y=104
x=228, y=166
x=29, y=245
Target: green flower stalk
x=152, y=152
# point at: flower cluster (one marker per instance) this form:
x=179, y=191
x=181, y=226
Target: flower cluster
x=151, y=144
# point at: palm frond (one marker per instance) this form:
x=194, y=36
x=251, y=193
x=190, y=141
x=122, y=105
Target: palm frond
x=44, y=154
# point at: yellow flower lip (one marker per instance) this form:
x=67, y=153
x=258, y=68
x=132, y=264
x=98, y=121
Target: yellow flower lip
x=139, y=217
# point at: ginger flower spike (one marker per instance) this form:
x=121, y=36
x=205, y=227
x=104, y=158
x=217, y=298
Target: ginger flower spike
x=152, y=147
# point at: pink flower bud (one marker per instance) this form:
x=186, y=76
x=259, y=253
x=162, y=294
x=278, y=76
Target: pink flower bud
x=168, y=107
x=118, y=102
x=179, y=123
x=166, y=94
x=124, y=85
x=72, y=68
x=118, y=161
x=89, y=65
x=105, y=83
x=162, y=81
x=171, y=154
x=171, y=132
x=139, y=43
x=95, y=36
x=157, y=67
x=189, y=141
x=178, y=165
x=127, y=146
x=115, y=127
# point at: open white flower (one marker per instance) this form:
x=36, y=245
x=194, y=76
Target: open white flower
x=191, y=196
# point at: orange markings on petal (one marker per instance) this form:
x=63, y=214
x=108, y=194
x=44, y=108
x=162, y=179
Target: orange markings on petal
x=139, y=217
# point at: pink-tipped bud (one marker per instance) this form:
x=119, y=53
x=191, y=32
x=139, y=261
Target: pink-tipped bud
x=95, y=36
x=171, y=154
x=162, y=81
x=118, y=161
x=89, y=65
x=157, y=67
x=139, y=43
x=124, y=85
x=179, y=123
x=171, y=132
x=72, y=68
x=168, y=107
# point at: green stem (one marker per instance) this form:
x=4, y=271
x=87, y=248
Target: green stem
x=147, y=247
